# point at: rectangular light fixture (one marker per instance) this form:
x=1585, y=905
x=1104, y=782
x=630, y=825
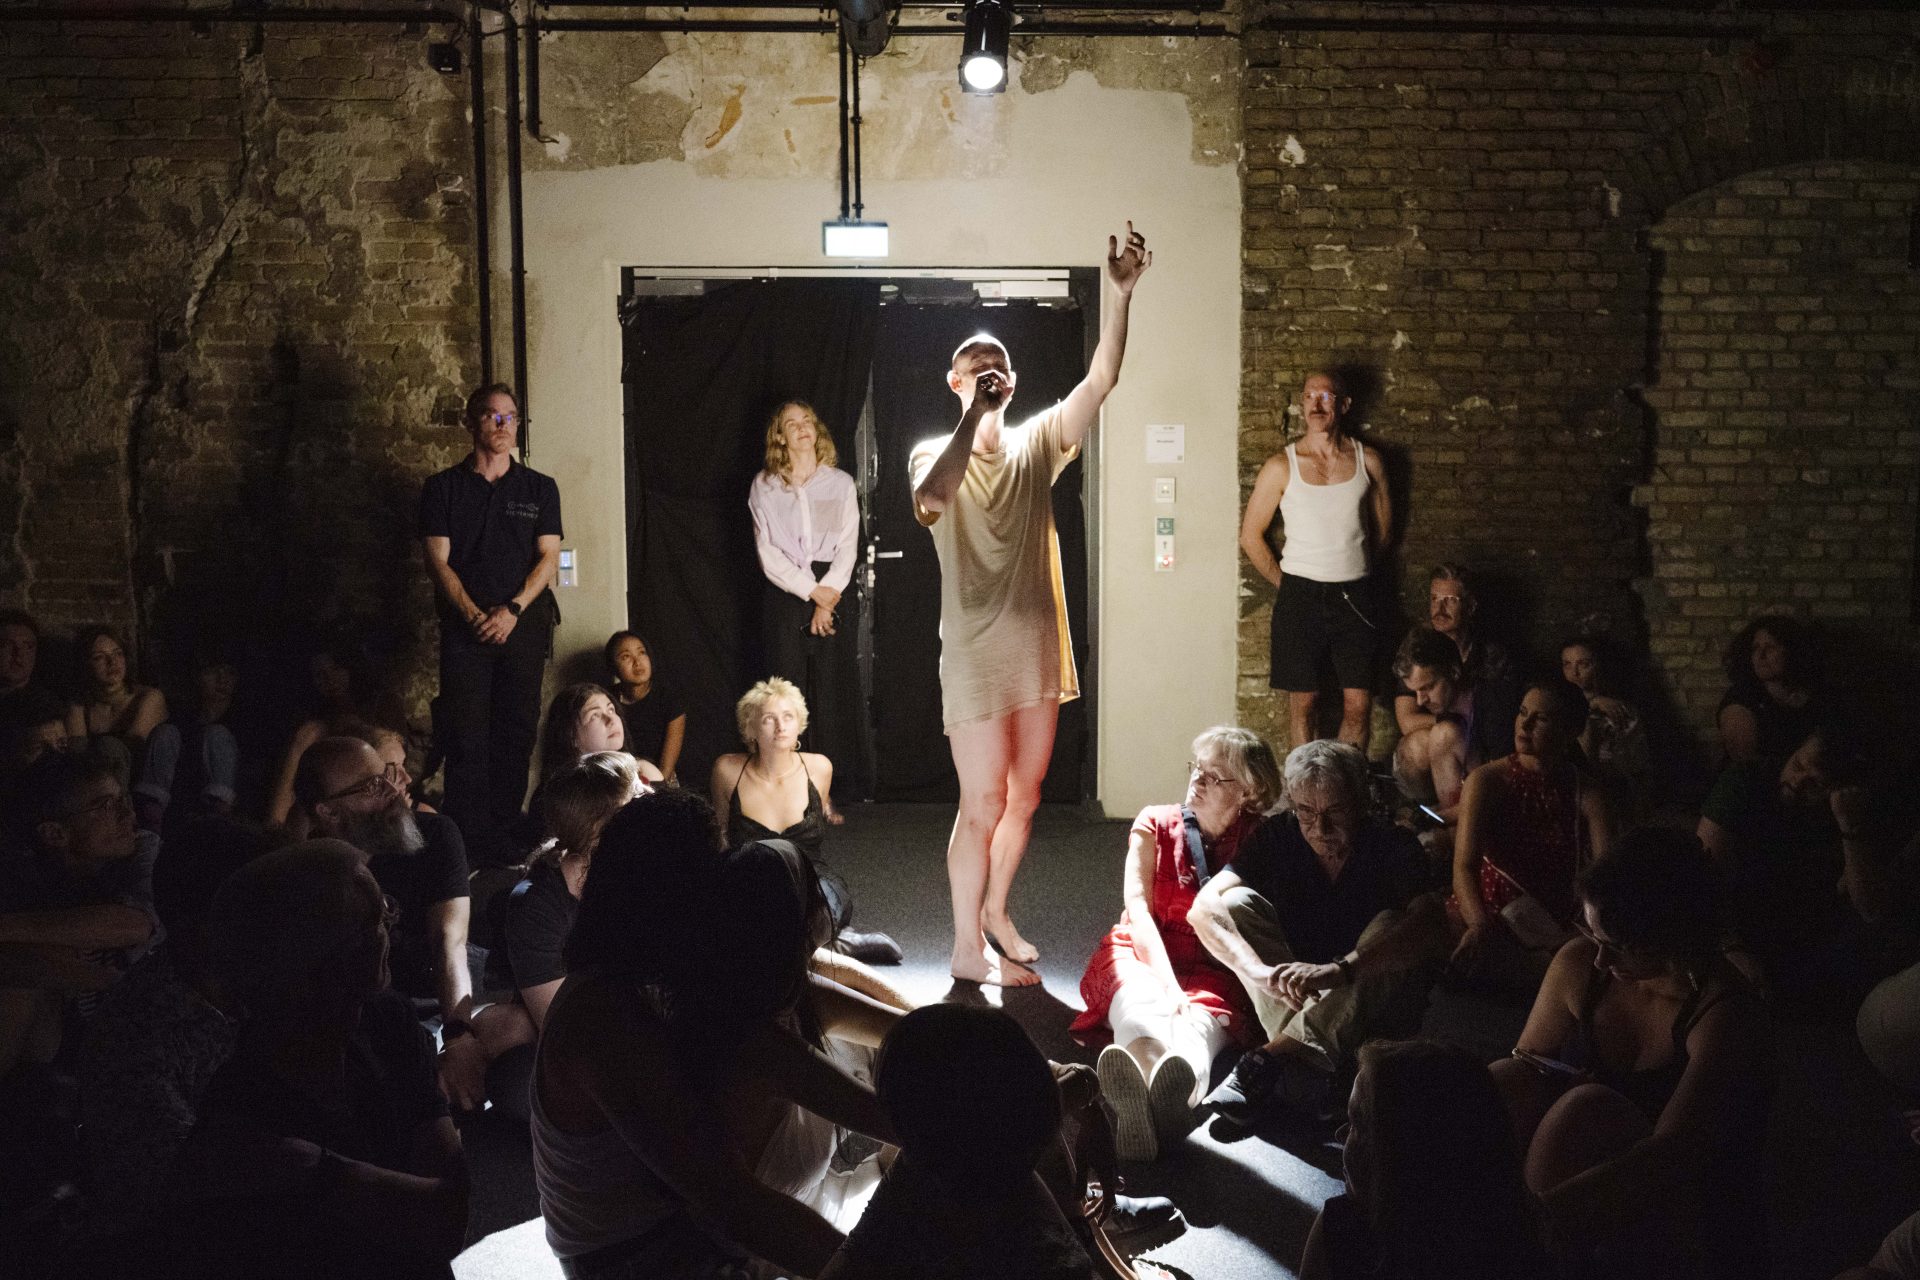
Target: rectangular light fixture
x=844, y=239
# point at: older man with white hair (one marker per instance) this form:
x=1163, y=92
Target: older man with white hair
x=1327, y=918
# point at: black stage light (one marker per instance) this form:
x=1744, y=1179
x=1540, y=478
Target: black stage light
x=444, y=57
x=983, y=53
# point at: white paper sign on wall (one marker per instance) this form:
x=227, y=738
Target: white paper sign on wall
x=1167, y=443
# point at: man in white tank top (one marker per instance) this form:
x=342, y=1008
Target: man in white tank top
x=1331, y=495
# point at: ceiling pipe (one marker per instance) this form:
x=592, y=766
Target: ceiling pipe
x=194, y=17
x=777, y=26
x=1500, y=27
x=482, y=216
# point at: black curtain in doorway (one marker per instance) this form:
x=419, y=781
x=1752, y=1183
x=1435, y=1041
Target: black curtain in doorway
x=702, y=375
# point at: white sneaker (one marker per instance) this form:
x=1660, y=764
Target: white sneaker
x=1170, y=1099
x=1125, y=1090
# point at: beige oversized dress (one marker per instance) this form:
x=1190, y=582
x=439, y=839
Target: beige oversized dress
x=1003, y=607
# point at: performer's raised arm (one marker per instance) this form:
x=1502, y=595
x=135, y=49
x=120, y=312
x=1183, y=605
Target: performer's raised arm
x=1081, y=409
x=991, y=388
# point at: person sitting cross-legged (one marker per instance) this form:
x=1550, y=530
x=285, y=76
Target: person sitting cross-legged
x=1170, y=1005
x=1325, y=918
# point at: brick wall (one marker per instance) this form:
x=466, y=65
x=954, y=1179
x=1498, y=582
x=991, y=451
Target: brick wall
x=236, y=273
x=1463, y=220
x=1787, y=420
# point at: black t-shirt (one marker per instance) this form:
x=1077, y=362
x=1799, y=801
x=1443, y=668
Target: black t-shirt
x=1324, y=918
x=540, y=914
x=418, y=881
x=646, y=721
x=392, y=1090
x=1494, y=681
x=494, y=528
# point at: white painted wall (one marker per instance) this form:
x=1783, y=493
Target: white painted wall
x=1064, y=169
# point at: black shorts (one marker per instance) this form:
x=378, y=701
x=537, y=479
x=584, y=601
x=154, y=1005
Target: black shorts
x=1321, y=627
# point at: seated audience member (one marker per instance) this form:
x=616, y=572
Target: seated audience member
x=1434, y=1188
x=775, y=791
x=390, y=744
x=323, y=1147
x=576, y=804
x=1450, y=729
x=194, y=755
x=346, y=689
x=673, y=1050
x=976, y=1107
x=119, y=714
x=343, y=792
x=19, y=663
x=1528, y=825
x=1453, y=611
x=1615, y=738
x=33, y=722
x=580, y=721
x=1324, y=918
x=651, y=708
x=1771, y=829
x=1639, y=1089
x=76, y=900
x=1898, y=1257
x=1771, y=705
x=1880, y=880
x=1172, y=1008
x=160, y=1034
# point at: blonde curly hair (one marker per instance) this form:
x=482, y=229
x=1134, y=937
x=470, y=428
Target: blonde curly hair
x=779, y=462
x=754, y=701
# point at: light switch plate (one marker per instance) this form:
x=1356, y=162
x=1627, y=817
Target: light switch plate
x=1163, y=489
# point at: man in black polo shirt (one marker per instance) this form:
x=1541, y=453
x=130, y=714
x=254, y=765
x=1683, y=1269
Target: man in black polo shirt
x=491, y=531
x=1325, y=917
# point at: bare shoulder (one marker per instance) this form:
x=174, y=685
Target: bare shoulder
x=1376, y=467
x=818, y=766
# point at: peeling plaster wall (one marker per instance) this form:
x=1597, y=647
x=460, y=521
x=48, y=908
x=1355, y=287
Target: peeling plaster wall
x=738, y=150
x=236, y=274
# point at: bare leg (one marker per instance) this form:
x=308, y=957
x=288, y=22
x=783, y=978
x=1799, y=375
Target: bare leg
x=1356, y=717
x=1588, y=1126
x=1033, y=729
x=1300, y=708
x=1411, y=763
x=982, y=756
x=1447, y=752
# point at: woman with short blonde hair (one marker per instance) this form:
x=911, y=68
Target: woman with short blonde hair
x=806, y=529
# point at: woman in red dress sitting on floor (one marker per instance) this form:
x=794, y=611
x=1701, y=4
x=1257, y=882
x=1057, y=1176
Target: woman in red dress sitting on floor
x=1529, y=824
x=1169, y=1006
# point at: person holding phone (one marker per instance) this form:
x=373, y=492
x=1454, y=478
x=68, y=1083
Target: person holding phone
x=1639, y=1086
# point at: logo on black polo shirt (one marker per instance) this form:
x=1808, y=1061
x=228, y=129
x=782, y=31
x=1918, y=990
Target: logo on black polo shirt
x=523, y=510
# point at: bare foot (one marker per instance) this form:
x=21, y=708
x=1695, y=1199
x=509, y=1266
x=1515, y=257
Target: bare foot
x=989, y=969
x=1008, y=938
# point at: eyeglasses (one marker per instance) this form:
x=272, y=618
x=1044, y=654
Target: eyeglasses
x=1205, y=778
x=1580, y=927
x=1445, y=599
x=499, y=419
x=373, y=786
x=118, y=800
x=1332, y=815
x=389, y=911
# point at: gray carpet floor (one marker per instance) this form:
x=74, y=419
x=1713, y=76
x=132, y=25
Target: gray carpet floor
x=1841, y=1171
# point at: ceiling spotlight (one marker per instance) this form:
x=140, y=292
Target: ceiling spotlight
x=983, y=53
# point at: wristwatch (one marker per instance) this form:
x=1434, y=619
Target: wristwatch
x=1345, y=966
x=513, y=607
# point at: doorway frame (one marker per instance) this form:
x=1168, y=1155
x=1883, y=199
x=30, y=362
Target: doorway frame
x=1082, y=285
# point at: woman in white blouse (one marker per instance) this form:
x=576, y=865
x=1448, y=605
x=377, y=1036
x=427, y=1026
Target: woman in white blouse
x=806, y=525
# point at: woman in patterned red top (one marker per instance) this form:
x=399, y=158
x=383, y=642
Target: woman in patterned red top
x=1528, y=825
x=1169, y=1006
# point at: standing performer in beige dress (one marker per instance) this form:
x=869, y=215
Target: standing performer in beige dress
x=1006, y=661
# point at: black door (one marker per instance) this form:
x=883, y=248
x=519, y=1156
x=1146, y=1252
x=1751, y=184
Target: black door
x=911, y=402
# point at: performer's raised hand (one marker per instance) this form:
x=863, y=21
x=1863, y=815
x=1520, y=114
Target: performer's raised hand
x=1126, y=263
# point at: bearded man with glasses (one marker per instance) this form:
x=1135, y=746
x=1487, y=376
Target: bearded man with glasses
x=1326, y=918
x=342, y=791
